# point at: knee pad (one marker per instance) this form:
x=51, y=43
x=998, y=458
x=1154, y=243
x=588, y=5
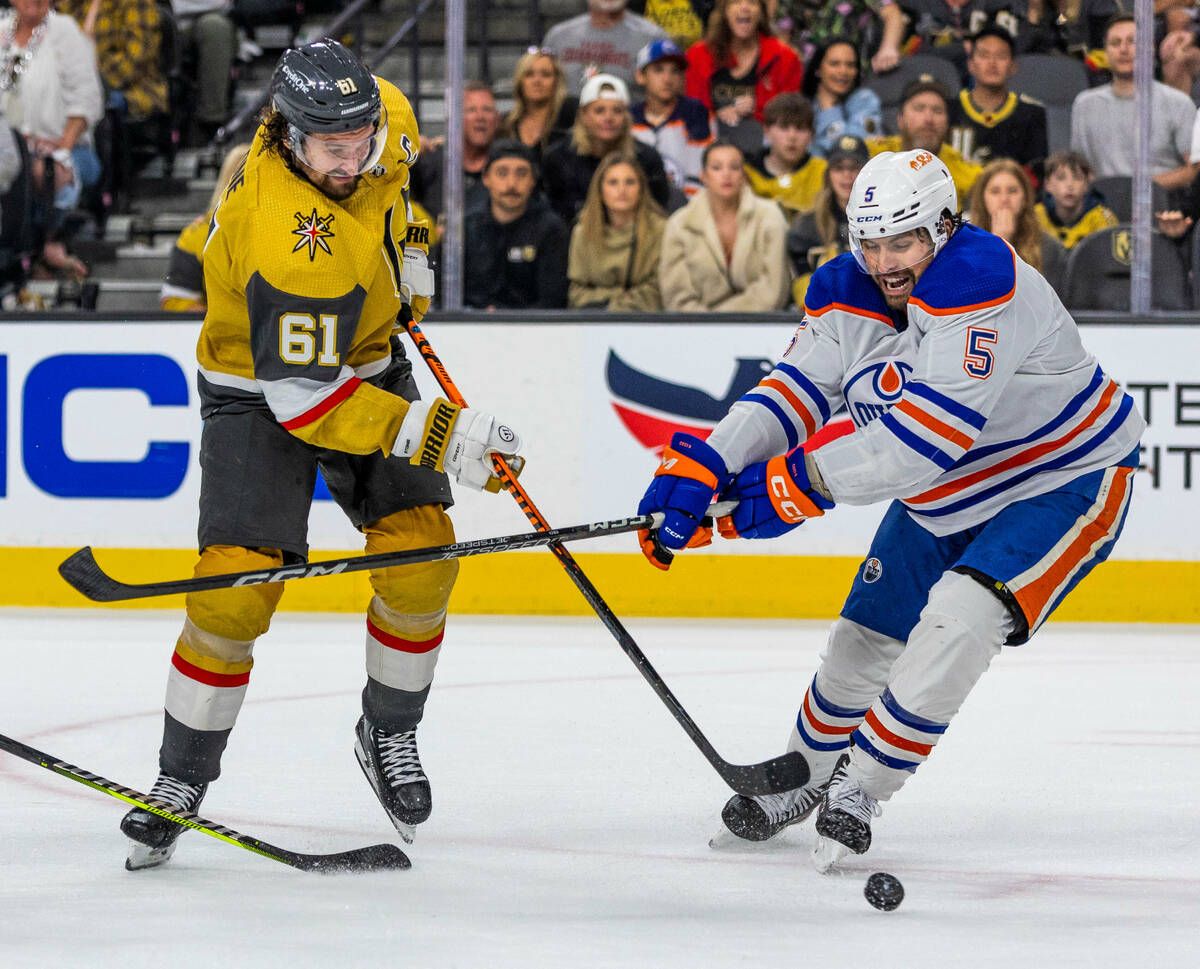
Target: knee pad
x=423, y=588
x=240, y=614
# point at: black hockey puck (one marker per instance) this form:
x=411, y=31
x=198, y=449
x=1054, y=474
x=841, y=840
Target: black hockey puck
x=884, y=891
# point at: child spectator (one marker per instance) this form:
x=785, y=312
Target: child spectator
x=784, y=170
x=1070, y=208
x=738, y=67
x=542, y=110
x=183, y=285
x=822, y=234
x=602, y=125
x=515, y=248
x=840, y=104
x=615, y=246
x=1002, y=203
x=724, y=250
x=679, y=128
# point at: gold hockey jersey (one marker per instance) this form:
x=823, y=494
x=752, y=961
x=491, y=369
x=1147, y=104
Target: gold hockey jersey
x=303, y=291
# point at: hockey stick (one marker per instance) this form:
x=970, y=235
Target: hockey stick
x=84, y=574
x=781, y=773
x=380, y=857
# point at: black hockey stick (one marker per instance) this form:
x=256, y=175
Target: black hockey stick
x=378, y=857
x=83, y=572
x=782, y=773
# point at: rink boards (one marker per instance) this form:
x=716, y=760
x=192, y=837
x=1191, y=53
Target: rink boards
x=99, y=436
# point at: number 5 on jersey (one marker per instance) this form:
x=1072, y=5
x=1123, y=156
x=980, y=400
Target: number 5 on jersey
x=979, y=359
x=298, y=339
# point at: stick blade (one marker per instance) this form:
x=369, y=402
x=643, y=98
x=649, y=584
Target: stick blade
x=85, y=576
x=381, y=857
x=783, y=773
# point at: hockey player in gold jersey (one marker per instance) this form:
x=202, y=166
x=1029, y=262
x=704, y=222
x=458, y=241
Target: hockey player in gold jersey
x=310, y=256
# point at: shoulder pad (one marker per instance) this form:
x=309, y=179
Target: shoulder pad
x=974, y=270
x=840, y=285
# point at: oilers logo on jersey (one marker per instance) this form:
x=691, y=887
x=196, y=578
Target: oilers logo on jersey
x=871, y=391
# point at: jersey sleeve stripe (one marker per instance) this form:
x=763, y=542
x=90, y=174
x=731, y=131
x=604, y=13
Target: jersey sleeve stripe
x=794, y=402
x=961, y=411
x=1074, y=405
x=932, y=423
x=808, y=387
x=853, y=310
x=324, y=405
x=788, y=427
x=1028, y=456
x=918, y=444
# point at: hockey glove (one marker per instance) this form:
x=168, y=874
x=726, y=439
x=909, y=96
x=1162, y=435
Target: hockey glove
x=690, y=475
x=416, y=278
x=773, y=498
x=437, y=434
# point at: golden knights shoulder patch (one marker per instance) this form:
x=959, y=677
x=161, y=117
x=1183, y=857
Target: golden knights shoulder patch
x=313, y=230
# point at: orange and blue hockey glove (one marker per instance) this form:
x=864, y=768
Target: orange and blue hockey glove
x=773, y=498
x=687, y=480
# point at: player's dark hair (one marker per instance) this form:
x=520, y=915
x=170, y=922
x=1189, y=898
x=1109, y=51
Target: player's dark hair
x=274, y=131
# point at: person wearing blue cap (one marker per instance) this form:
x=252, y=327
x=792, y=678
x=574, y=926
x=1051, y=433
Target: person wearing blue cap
x=679, y=127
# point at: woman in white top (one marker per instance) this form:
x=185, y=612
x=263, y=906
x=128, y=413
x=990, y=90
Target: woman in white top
x=724, y=250
x=50, y=93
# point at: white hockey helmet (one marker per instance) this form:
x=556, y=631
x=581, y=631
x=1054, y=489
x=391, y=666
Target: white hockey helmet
x=897, y=191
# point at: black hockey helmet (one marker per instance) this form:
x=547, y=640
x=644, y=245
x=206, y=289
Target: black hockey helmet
x=323, y=89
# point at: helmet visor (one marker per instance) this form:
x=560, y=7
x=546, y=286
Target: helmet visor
x=888, y=255
x=342, y=155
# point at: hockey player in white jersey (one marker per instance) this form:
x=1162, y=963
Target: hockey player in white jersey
x=1008, y=450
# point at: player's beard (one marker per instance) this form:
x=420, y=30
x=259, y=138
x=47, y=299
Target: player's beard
x=337, y=189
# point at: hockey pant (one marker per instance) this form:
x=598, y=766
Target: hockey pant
x=210, y=668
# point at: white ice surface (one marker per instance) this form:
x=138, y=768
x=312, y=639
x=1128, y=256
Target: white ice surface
x=1055, y=825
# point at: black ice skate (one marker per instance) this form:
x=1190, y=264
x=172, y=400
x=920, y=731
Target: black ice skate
x=152, y=837
x=843, y=820
x=762, y=817
x=391, y=764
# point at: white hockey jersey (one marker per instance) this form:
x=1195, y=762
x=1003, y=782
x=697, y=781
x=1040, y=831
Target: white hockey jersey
x=987, y=396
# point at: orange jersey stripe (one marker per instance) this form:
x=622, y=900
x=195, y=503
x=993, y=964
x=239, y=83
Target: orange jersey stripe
x=1025, y=457
x=1034, y=597
x=801, y=411
x=903, y=743
x=847, y=308
x=823, y=728
x=951, y=310
x=938, y=427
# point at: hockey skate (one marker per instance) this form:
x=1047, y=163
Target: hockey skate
x=760, y=818
x=843, y=819
x=393, y=769
x=152, y=838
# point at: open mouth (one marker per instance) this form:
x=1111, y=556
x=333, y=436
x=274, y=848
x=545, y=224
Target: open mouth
x=896, y=284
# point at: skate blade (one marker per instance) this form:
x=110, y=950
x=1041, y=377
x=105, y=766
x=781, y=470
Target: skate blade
x=726, y=840
x=143, y=856
x=827, y=854
x=406, y=831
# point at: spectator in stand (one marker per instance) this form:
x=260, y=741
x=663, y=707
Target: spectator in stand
x=1002, y=202
x=183, y=285
x=1070, y=208
x=924, y=122
x=832, y=82
x=602, y=125
x=989, y=121
x=1179, y=53
x=127, y=35
x=823, y=234
x=50, y=92
x=679, y=128
x=683, y=20
x=873, y=28
x=738, y=67
x=616, y=243
x=724, y=251
x=208, y=39
x=1103, y=118
x=542, y=110
x=945, y=27
x=515, y=248
x=481, y=121
x=784, y=170
x=604, y=40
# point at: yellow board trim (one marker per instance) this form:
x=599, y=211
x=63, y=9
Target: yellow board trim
x=532, y=583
